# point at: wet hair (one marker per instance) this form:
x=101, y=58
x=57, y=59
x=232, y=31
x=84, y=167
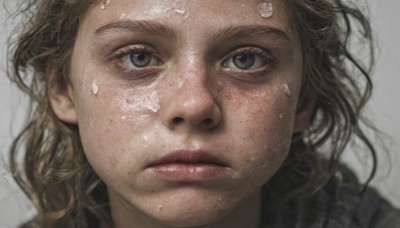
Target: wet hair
x=54, y=172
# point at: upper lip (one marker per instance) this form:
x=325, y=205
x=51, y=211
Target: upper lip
x=188, y=156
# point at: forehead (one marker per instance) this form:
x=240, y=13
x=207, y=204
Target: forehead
x=191, y=14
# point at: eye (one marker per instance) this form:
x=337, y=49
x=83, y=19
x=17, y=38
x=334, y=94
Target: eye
x=136, y=57
x=140, y=59
x=248, y=59
x=244, y=61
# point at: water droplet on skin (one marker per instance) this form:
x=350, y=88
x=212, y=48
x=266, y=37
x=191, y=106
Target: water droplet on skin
x=180, y=84
x=264, y=166
x=266, y=9
x=95, y=88
x=104, y=4
x=180, y=11
x=123, y=117
x=281, y=116
x=146, y=138
x=252, y=159
x=285, y=88
x=160, y=207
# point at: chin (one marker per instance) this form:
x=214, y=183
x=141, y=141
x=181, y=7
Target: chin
x=191, y=210
x=192, y=218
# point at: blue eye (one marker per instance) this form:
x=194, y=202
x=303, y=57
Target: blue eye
x=244, y=61
x=142, y=59
x=137, y=57
x=248, y=59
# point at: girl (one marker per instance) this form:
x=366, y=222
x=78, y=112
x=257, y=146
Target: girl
x=188, y=113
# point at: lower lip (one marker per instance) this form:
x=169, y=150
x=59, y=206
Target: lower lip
x=188, y=171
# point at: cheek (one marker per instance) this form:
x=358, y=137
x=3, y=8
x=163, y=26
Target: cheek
x=263, y=129
x=109, y=119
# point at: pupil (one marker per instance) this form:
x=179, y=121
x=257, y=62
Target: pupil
x=140, y=59
x=244, y=61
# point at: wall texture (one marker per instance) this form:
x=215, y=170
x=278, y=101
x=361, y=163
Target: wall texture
x=384, y=110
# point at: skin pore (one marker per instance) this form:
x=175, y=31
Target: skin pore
x=207, y=82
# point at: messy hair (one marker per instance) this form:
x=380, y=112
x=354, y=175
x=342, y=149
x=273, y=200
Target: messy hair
x=65, y=190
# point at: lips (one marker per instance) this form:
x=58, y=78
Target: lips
x=188, y=165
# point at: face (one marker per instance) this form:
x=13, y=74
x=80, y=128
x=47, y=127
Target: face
x=186, y=108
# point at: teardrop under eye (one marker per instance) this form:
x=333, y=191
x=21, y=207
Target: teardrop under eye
x=244, y=61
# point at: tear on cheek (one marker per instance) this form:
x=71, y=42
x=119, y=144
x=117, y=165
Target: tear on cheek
x=286, y=90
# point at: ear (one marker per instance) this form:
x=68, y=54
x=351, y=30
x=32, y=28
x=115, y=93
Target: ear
x=61, y=99
x=304, y=113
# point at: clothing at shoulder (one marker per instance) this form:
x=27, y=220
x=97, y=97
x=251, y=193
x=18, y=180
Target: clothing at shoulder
x=340, y=204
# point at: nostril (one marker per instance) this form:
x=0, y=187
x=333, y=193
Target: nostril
x=207, y=122
x=177, y=120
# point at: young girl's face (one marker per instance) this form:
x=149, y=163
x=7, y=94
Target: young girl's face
x=186, y=108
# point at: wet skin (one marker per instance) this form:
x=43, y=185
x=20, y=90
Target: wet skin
x=185, y=108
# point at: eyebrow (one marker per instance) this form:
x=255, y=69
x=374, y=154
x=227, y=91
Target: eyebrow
x=164, y=31
x=240, y=32
x=149, y=27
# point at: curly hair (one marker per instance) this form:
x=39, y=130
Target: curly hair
x=60, y=182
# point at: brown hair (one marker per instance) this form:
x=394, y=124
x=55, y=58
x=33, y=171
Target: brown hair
x=65, y=190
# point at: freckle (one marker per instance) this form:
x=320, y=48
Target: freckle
x=266, y=9
x=285, y=88
x=95, y=88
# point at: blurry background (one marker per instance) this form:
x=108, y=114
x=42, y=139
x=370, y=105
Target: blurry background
x=384, y=110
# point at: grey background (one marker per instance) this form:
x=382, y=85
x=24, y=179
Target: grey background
x=384, y=110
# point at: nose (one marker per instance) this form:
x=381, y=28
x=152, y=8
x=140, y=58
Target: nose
x=192, y=105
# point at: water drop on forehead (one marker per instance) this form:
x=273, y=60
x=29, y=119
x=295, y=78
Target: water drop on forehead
x=266, y=9
x=180, y=11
